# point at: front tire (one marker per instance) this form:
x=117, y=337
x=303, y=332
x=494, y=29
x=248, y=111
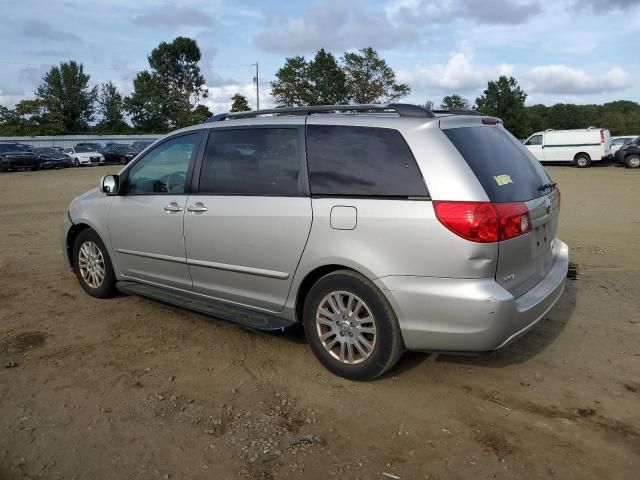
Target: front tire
x=351, y=327
x=92, y=265
x=633, y=161
x=76, y=162
x=582, y=160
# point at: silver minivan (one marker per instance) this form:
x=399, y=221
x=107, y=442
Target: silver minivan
x=379, y=228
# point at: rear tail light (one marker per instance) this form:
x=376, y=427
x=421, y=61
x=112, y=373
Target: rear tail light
x=484, y=222
x=601, y=136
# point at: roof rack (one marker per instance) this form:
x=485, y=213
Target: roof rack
x=402, y=109
x=459, y=111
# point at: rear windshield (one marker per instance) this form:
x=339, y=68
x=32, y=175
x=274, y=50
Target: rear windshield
x=505, y=169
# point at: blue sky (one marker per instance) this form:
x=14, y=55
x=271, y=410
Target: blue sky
x=562, y=51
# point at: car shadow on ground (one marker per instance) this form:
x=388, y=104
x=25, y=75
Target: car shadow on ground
x=528, y=346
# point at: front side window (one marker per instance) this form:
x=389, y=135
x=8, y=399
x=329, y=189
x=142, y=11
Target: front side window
x=362, y=161
x=535, y=140
x=164, y=169
x=251, y=161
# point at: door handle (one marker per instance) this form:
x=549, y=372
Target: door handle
x=198, y=207
x=173, y=207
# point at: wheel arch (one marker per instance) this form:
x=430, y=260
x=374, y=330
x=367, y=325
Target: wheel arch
x=311, y=278
x=581, y=154
x=72, y=234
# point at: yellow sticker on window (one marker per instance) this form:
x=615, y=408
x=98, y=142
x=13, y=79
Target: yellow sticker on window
x=502, y=180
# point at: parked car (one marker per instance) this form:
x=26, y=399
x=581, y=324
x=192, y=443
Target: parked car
x=119, y=153
x=52, y=158
x=617, y=142
x=396, y=230
x=629, y=154
x=95, y=146
x=581, y=146
x=84, y=156
x=14, y=156
x=141, y=145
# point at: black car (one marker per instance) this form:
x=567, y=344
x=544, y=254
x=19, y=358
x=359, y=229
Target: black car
x=14, y=156
x=118, y=153
x=629, y=154
x=141, y=145
x=52, y=158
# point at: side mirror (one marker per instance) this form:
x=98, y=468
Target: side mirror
x=110, y=184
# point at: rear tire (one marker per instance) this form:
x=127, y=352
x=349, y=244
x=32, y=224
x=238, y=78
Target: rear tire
x=582, y=160
x=92, y=265
x=357, y=341
x=633, y=161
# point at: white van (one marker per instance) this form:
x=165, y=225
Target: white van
x=581, y=146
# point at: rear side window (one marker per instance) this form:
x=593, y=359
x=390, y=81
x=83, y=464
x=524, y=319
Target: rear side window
x=251, y=161
x=361, y=161
x=505, y=169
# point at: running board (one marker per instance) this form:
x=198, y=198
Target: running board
x=224, y=311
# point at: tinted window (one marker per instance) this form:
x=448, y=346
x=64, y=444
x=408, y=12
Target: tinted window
x=9, y=148
x=506, y=170
x=164, y=169
x=535, y=140
x=253, y=161
x=361, y=161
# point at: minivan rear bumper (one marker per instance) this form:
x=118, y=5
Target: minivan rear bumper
x=470, y=315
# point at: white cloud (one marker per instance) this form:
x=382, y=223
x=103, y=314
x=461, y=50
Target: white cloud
x=561, y=79
x=335, y=25
x=219, y=98
x=459, y=74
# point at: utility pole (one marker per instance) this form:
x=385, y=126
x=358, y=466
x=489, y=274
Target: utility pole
x=257, y=80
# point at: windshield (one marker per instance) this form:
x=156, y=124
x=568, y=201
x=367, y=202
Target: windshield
x=83, y=150
x=505, y=169
x=45, y=150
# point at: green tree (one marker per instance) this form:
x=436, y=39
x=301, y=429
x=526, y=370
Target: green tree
x=167, y=96
x=111, y=109
x=370, y=79
x=67, y=97
x=505, y=99
x=614, y=121
x=240, y=103
x=29, y=117
x=429, y=105
x=328, y=83
x=149, y=112
x=455, y=101
x=292, y=87
x=201, y=114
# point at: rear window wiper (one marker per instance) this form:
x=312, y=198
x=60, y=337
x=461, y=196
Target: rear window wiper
x=546, y=186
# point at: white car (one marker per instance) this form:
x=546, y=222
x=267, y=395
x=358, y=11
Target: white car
x=580, y=146
x=618, y=142
x=84, y=156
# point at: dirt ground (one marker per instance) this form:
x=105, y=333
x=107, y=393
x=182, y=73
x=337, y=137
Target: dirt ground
x=129, y=388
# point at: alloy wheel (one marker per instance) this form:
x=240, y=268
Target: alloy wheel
x=91, y=264
x=346, y=327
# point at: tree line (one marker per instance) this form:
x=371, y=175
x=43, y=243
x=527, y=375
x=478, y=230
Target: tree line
x=505, y=99
x=167, y=96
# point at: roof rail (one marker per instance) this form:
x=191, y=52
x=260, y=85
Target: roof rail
x=402, y=109
x=459, y=111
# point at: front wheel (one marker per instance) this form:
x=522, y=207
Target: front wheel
x=350, y=326
x=582, y=160
x=76, y=162
x=93, y=265
x=633, y=161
